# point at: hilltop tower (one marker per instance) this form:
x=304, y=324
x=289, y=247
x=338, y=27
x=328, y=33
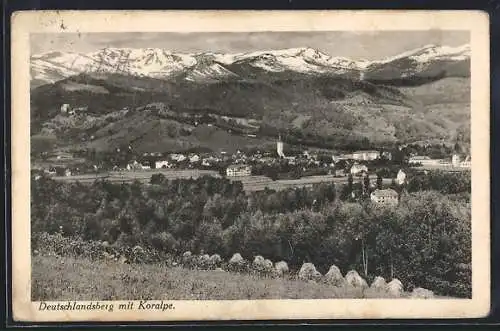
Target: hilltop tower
x=279, y=147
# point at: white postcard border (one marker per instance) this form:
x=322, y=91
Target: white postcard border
x=27, y=22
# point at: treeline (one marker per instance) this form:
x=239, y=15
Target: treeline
x=424, y=241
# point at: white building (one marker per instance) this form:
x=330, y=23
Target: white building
x=424, y=160
x=365, y=155
x=401, y=177
x=134, y=166
x=385, y=197
x=163, y=164
x=235, y=170
x=455, y=160
x=387, y=155
x=194, y=158
x=65, y=108
x=358, y=169
x=466, y=163
x=177, y=157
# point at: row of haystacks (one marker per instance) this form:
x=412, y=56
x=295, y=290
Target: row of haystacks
x=307, y=272
x=236, y=263
x=58, y=245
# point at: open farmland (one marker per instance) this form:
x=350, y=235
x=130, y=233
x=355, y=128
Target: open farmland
x=259, y=183
x=140, y=175
x=250, y=183
x=445, y=167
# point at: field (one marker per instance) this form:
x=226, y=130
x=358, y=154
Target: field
x=259, y=183
x=250, y=183
x=68, y=278
x=141, y=175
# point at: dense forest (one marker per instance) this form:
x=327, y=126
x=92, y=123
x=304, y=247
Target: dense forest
x=424, y=241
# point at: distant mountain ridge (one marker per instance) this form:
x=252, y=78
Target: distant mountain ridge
x=156, y=100
x=428, y=62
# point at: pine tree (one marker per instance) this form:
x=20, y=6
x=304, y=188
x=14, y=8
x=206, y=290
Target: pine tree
x=379, y=182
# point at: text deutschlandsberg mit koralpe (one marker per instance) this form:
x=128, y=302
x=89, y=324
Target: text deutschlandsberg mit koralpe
x=75, y=306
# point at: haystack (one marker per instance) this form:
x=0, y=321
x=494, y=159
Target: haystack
x=334, y=276
x=378, y=283
x=138, y=250
x=205, y=257
x=395, y=288
x=353, y=279
x=281, y=268
x=237, y=260
x=308, y=272
x=203, y=260
x=268, y=265
x=258, y=261
x=215, y=260
x=237, y=263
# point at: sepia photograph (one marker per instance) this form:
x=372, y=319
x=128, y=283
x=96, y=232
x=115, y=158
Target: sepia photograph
x=261, y=165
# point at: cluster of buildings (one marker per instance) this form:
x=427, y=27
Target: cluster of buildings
x=385, y=197
x=67, y=109
x=388, y=196
x=457, y=161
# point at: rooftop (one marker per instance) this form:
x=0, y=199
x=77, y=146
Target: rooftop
x=237, y=166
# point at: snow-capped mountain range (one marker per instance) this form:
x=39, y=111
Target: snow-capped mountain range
x=211, y=67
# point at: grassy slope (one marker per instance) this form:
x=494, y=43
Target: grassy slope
x=64, y=278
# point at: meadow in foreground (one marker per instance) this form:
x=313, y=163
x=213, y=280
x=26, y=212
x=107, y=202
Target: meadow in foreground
x=70, y=278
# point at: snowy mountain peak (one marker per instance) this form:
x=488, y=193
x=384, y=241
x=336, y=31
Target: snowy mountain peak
x=430, y=52
x=208, y=66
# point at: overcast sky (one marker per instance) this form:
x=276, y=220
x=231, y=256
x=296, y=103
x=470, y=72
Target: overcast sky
x=357, y=45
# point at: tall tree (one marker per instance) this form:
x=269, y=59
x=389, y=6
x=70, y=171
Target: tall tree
x=379, y=182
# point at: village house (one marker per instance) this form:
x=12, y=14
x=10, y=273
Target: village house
x=401, y=177
x=424, y=160
x=134, y=165
x=459, y=161
x=65, y=108
x=358, y=169
x=138, y=166
x=177, y=157
x=339, y=172
x=235, y=170
x=193, y=158
x=365, y=155
x=466, y=163
x=385, y=197
x=386, y=155
x=163, y=164
x=266, y=160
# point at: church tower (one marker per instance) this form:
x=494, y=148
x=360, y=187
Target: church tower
x=279, y=147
